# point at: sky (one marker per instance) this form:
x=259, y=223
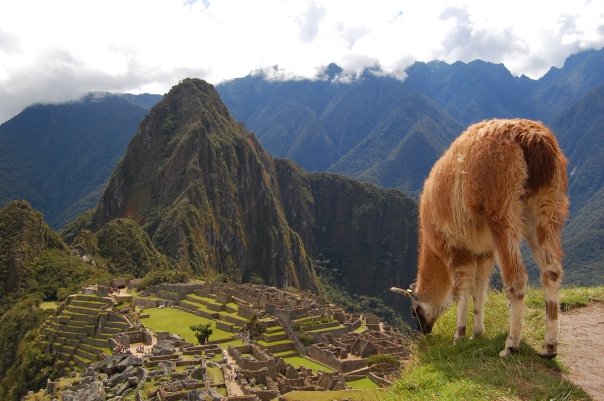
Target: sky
x=59, y=50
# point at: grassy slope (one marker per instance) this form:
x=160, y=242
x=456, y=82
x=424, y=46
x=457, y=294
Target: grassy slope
x=472, y=369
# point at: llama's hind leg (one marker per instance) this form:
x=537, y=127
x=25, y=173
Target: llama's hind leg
x=484, y=268
x=515, y=280
x=546, y=250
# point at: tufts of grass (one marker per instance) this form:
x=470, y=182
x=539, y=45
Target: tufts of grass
x=472, y=369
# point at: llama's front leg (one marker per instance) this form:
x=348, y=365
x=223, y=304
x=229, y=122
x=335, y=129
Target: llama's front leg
x=462, y=316
x=479, y=292
x=463, y=264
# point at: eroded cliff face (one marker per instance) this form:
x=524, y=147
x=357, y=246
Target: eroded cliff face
x=23, y=235
x=366, y=237
x=205, y=192
x=213, y=201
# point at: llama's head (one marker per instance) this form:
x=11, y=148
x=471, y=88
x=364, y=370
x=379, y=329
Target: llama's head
x=424, y=311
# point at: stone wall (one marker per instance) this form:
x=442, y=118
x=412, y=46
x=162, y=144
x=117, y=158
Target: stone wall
x=327, y=358
x=262, y=359
x=174, y=292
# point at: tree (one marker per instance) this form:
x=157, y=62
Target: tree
x=202, y=332
x=253, y=328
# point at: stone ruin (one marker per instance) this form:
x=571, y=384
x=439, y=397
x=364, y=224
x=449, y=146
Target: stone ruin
x=179, y=369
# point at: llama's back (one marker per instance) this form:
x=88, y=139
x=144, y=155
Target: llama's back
x=488, y=177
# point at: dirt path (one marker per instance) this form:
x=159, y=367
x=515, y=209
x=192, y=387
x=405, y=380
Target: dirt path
x=582, y=348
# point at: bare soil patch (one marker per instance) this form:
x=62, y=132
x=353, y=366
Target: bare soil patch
x=582, y=348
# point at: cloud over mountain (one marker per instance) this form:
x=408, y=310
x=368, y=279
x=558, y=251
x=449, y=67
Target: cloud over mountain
x=60, y=50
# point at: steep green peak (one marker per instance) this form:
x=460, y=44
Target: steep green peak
x=192, y=101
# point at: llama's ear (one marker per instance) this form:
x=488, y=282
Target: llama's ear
x=412, y=287
x=407, y=293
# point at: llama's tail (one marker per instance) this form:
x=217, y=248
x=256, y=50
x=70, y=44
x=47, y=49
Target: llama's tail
x=542, y=154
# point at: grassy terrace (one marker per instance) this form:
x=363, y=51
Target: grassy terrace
x=178, y=321
x=362, y=384
x=326, y=329
x=297, y=361
x=472, y=370
x=49, y=305
x=350, y=395
x=266, y=344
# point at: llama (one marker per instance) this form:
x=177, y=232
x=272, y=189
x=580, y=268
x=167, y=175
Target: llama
x=501, y=181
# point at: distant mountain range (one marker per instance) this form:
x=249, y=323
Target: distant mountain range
x=390, y=132
x=59, y=157
x=374, y=128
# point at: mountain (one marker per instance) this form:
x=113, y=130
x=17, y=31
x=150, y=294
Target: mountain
x=35, y=266
x=214, y=202
x=59, y=157
x=580, y=129
x=474, y=91
x=23, y=236
x=561, y=87
x=401, y=149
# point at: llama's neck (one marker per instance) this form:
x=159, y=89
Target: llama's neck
x=433, y=280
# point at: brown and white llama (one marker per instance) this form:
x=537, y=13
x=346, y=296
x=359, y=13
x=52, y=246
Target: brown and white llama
x=499, y=182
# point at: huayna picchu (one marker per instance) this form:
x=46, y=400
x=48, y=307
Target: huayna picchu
x=214, y=202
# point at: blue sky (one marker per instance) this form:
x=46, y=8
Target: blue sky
x=52, y=51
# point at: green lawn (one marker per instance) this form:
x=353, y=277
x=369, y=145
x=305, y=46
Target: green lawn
x=215, y=375
x=297, y=361
x=350, y=395
x=178, y=321
x=362, y=384
x=48, y=305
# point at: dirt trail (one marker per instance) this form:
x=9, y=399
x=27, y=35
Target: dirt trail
x=581, y=348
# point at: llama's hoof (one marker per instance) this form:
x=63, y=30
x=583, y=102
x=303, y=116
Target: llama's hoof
x=476, y=335
x=550, y=351
x=509, y=351
x=548, y=356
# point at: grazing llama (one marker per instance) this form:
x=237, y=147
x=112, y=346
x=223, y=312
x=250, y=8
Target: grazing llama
x=499, y=182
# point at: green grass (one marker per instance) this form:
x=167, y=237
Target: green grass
x=177, y=321
x=297, y=361
x=361, y=329
x=325, y=330
x=362, y=384
x=48, y=305
x=350, y=395
x=472, y=369
x=215, y=375
x=266, y=344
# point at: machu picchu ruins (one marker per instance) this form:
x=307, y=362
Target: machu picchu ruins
x=107, y=344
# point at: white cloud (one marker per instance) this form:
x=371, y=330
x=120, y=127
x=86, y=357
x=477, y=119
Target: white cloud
x=59, y=50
